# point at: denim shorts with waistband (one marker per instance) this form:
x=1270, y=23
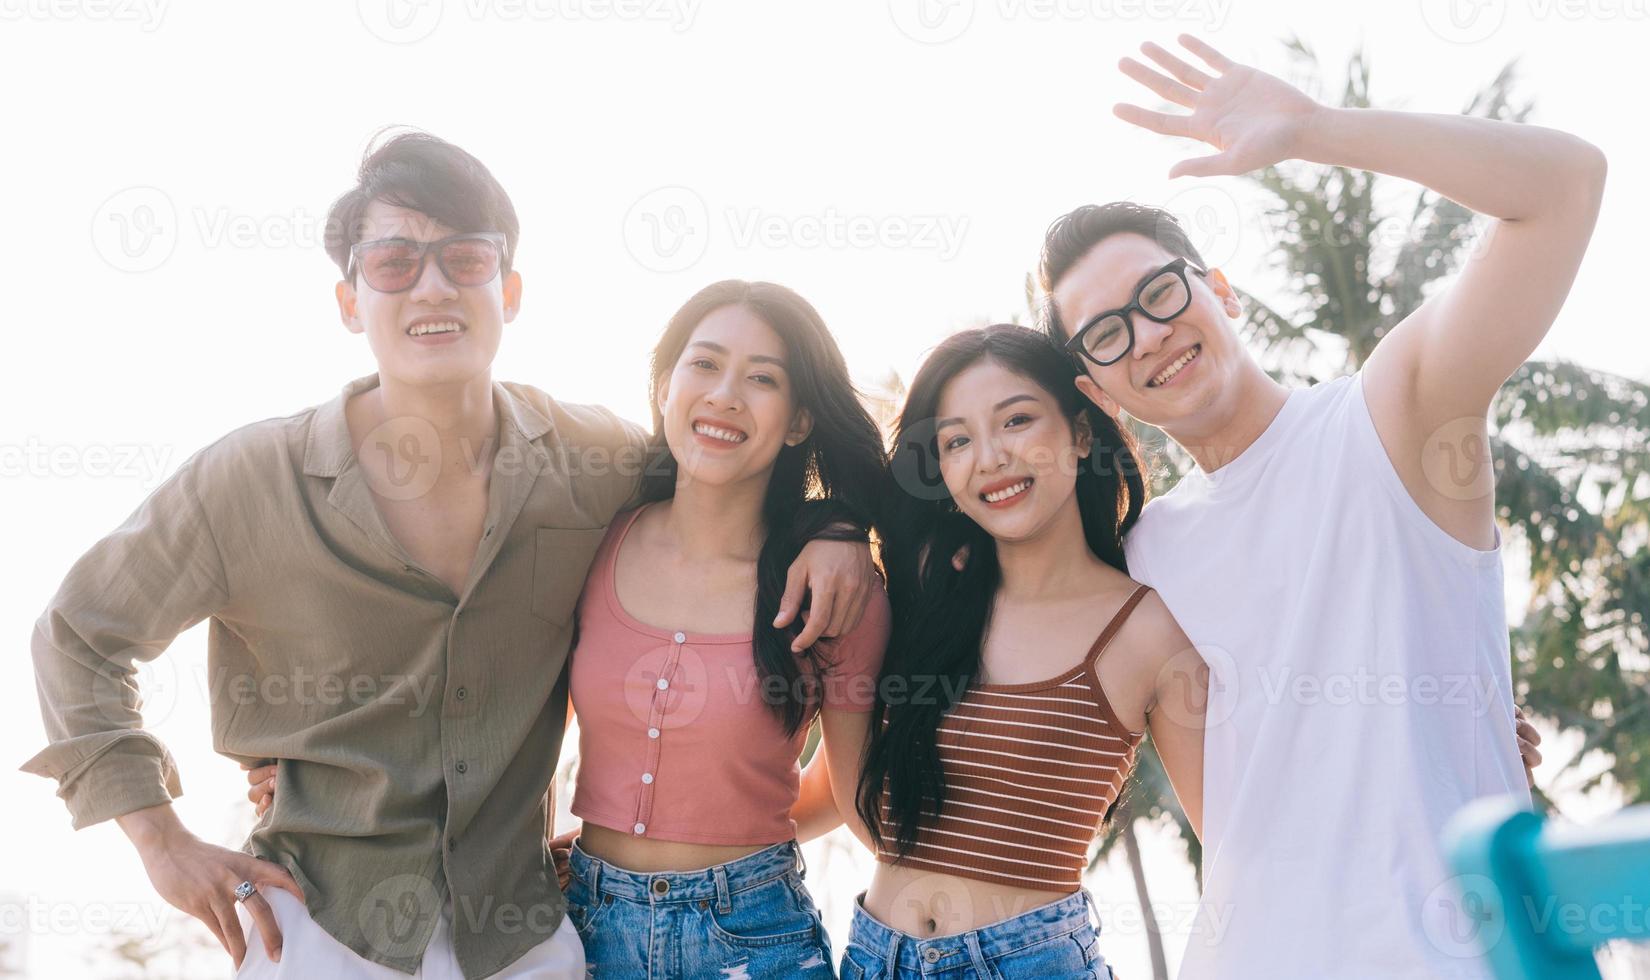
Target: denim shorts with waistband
x=750, y=918
x=1057, y=941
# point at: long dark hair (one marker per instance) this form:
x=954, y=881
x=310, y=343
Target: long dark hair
x=818, y=487
x=940, y=612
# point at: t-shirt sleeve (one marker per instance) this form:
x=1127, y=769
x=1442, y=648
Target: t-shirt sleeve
x=1134, y=552
x=856, y=663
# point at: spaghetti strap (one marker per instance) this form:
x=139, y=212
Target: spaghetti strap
x=1116, y=624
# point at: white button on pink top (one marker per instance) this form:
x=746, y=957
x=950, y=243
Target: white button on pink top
x=628, y=681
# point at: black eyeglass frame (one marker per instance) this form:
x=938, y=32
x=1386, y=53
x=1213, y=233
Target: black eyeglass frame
x=1075, y=345
x=495, y=238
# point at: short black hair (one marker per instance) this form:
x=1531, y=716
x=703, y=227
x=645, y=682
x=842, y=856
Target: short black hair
x=427, y=174
x=1072, y=235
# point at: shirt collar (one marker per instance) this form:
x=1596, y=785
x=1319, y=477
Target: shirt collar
x=328, y=449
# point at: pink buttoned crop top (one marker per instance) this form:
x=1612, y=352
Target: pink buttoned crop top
x=676, y=741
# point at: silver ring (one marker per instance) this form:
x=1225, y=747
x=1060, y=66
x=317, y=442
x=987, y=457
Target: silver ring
x=244, y=891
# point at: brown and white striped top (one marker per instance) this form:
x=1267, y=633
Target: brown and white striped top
x=1029, y=771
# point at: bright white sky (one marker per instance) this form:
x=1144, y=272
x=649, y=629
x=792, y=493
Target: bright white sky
x=929, y=147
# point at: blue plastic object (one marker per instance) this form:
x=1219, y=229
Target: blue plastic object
x=1546, y=896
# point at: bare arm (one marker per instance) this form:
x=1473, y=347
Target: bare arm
x=832, y=777
x=1430, y=381
x=815, y=811
x=838, y=577
x=561, y=848
x=550, y=796
x=1177, y=708
x=1176, y=724
x=1542, y=188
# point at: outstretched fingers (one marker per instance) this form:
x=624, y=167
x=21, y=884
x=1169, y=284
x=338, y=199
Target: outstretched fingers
x=1167, y=87
x=1157, y=122
x=1194, y=77
x=1210, y=56
x=1213, y=165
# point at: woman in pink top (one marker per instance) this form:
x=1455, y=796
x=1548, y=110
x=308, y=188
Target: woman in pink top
x=692, y=706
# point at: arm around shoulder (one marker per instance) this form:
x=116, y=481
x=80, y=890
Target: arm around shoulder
x=1179, y=706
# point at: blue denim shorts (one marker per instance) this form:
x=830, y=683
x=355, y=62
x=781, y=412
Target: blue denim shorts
x=1057, y=941
x=751, y=918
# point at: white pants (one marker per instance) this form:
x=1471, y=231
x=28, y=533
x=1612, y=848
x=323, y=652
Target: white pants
x=308, y=951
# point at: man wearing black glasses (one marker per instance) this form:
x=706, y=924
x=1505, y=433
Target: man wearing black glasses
x=1334, y=553
x=390, y=579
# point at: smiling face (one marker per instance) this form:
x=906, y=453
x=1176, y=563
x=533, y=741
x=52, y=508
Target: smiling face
x=1180, y=376
x=728, y=406
x=435, y=333
x=1008, y=454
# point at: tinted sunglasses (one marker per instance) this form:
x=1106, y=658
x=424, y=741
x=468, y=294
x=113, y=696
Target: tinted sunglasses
x=394, y=265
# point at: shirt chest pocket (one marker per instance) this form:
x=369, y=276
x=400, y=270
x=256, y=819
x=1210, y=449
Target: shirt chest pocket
x=561, y=557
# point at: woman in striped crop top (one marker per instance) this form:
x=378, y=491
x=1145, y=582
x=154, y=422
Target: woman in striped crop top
x=1025, y=668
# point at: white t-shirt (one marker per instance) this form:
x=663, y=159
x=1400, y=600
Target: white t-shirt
x=1361, y=693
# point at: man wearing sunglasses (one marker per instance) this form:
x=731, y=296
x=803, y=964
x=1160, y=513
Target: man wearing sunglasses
x=1334, y=553
x=390, y=579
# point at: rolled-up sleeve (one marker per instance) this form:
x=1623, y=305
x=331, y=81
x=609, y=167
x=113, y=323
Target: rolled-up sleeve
x=122, y=603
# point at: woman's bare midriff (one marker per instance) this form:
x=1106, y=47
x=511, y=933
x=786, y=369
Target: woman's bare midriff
x=626, y=850
x=927, y=904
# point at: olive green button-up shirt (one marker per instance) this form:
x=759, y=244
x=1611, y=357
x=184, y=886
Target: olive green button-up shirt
x=416, y=730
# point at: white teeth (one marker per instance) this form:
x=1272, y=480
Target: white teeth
x=1008, y=492
x=716, y=432
x=445, y=326
x=1164, y=376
